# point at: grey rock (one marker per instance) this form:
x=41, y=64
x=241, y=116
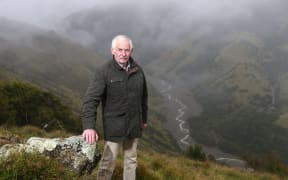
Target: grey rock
x=74, y=152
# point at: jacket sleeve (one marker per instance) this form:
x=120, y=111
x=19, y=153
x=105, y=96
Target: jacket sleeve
x=92, y=99
x=145, y=101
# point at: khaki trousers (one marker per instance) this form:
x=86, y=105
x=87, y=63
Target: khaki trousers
x=108, y=161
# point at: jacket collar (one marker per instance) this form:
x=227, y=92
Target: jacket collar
x=133, y=65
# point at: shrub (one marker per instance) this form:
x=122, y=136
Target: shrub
x=267, y=162
x=32, y=166
x=196, y=153
x=23, y=103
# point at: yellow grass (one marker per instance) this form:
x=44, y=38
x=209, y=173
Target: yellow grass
x=156, y=166
x=153, y=165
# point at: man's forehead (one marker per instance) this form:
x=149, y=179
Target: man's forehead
x=123, y=44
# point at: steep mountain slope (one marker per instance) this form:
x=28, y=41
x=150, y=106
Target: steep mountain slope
x=45, y=58
x=240, y=81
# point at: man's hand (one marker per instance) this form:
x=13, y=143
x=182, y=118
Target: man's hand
x=144, y=125
x=90, y=135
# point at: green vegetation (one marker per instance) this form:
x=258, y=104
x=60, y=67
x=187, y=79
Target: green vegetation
x=196, y=152
x=152, y=165
x=243, y=110
x=25, y=104
x=267, y=163
x=240, y=129
x=26, y=166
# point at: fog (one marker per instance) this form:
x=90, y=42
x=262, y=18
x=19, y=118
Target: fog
x=165, y=22
x=46, y=13
x=43, y=13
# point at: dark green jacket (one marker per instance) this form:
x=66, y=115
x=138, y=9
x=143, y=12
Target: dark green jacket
x=124, y=101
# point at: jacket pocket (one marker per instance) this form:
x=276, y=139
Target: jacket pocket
x=115, y=80
x=116, y=87
x=115, y=124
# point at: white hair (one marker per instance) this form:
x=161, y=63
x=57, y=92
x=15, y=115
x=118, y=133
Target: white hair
x=116, y=38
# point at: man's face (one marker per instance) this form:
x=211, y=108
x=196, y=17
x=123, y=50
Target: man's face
x=122, y=51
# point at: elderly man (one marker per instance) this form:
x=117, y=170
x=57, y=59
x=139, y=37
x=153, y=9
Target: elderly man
x=120, y=86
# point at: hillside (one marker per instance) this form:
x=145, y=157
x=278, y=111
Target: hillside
x=239, y=81
x=45, y=58
x=152, y=165
x=26, y=104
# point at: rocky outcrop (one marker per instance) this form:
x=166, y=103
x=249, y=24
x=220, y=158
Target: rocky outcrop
x=74, y=152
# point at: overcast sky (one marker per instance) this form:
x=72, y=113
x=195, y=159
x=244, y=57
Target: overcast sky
x=42, y=12
x=46, y=12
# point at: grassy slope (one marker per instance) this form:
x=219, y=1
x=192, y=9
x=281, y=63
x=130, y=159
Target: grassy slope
x=153, y=165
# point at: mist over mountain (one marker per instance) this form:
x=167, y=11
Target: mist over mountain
x=158, y=27
x=231, y=61
x=226, y=61
x=45, y=13
x=45, y=58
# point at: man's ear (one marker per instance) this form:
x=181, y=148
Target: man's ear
x=112, y=51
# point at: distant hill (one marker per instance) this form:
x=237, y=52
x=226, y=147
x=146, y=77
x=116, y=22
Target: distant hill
x=240, y=81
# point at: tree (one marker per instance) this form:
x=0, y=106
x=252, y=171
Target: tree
x=196, y=152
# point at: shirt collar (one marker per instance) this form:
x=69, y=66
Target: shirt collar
x=126, y=68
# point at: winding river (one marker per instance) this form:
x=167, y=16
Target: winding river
x=182, y=133
x=178, y=114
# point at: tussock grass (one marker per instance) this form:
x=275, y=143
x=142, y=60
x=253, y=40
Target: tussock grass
x=155, y=166
x=151, y=165
x=163, y=166
x=32, y=166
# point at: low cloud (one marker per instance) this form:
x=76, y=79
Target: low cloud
x=43, y=13
x=48, y=12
